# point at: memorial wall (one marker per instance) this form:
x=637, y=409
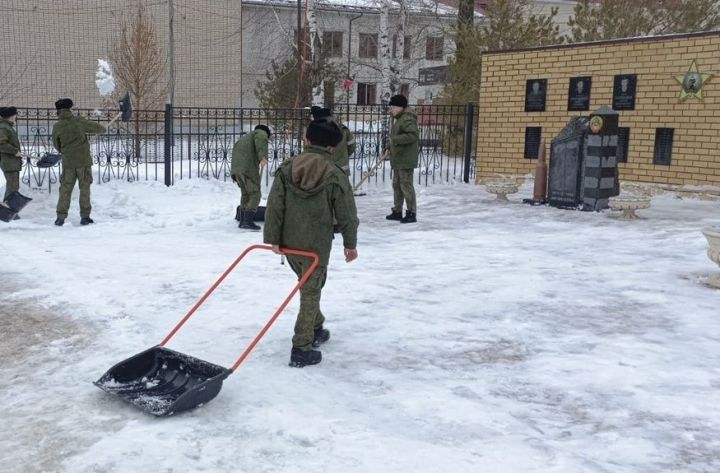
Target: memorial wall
x=664, y=88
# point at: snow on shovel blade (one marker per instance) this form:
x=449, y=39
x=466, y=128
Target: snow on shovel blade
x=163, y=382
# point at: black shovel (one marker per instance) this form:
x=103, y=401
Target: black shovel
x=12, y=206
x=163, y=382
x=125, y=113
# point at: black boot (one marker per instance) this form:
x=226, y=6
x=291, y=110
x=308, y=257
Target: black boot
x=299, y=358
x=395, y=215
x=59, y=221
x=321, y=336
x=409, y=217
x=86, y=221
x=240, y=217
x=249, y=221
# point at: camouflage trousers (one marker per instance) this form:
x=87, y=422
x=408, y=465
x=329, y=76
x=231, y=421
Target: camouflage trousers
x=12, y=182
x=403, y=189
x=249, y=192
x=309, y=316
x=67, y=182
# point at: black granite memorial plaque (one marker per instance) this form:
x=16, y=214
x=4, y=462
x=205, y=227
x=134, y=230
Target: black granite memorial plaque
x=535, y=91
x=533, y=135
x=566, y=161
x=624, y=92
x=579, y=94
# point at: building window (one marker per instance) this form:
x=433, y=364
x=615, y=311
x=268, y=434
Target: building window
x=532, y=141
x=406, y=47
x=623, y=144
x=663, y=146
x=329, y=94
x=368, y=45
x=405, y=90
x=333, y=43
x=434, y=47
x=366, y=93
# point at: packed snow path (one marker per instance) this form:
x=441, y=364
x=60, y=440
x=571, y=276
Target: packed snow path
x=485, y=338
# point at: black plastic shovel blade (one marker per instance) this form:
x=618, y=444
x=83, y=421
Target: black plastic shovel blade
x=163, y=382
x=126, y=108
x=6, y=213
x=48, y=160
x=16, y=201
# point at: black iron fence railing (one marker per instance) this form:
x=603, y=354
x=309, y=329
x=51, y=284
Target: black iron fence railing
x=190, y=143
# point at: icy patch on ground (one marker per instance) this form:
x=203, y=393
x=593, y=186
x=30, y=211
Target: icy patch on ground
x=44, y=414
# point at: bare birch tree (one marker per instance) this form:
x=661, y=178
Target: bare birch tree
x=139, y=62
x=384, y=49
x=318, y=89
x=400, y=46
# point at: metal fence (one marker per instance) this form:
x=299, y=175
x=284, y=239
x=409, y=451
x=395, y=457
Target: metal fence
x=191, y=143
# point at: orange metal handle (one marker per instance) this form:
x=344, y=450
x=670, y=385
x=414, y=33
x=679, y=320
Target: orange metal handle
x=300, y=283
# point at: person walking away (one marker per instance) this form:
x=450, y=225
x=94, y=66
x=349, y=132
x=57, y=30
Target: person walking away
x=249, y=157
x=307, y=192
x=70, y=138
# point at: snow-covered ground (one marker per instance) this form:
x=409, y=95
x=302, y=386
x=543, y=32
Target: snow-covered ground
x=485, y=338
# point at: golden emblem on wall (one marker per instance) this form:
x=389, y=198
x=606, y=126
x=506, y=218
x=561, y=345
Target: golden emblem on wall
x=692, y=82
x=596, y=124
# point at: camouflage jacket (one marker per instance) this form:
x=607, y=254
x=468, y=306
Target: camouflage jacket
x=308, y=191
x=345, y=148
x=404, y=141
x=69, y=137
x=247, y=153
x=9, y=147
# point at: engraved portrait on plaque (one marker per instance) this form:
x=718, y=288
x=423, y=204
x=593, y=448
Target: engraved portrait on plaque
x=535, y=90
x=579, y=94
x=624, y=92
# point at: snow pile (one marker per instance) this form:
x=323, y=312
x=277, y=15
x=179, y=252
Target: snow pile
x=104, y=79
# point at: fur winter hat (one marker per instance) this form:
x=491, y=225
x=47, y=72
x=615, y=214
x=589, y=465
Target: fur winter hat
x=7, y=112
x=319, y=112
x=323, y=133
x=264, y=128
x=63, y=103
x=399, y=101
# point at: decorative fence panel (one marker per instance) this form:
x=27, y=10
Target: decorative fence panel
x=192, y=143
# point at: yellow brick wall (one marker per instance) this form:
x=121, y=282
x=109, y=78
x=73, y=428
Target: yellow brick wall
x=696, y=146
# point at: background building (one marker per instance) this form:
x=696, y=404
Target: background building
x=222, y=47
x=50, y=48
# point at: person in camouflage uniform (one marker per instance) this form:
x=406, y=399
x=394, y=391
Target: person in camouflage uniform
x=307, y=192
x=10, y=155
x=69, y=137
x=249, y=156
x=342, y=152
x=403, y=150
